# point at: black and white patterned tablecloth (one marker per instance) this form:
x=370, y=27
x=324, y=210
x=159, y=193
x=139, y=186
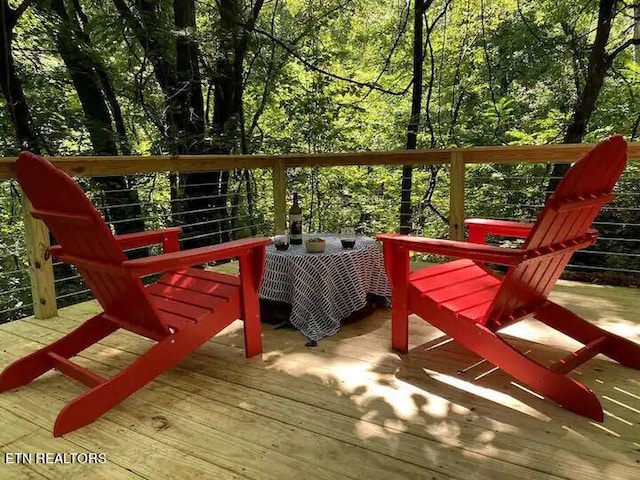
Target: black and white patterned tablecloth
x=323, y=288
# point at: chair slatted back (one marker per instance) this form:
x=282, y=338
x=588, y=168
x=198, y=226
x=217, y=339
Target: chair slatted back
x=564, y=222
x=87, y=242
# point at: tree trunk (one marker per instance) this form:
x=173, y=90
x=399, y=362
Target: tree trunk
x=150, y=33
x=205, y=197
x=226, y=125
x=414, y=120
x=203, y=209
x=636, y=32
x=25, y=133
x=11, y=85
x=123, y=204
x=599, y=64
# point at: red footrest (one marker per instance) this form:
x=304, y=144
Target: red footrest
x=577, y=358
x=75, y=371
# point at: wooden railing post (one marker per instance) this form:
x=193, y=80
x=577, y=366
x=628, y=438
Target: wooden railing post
x=456, y=197
x=43, y=290
x=279, y=195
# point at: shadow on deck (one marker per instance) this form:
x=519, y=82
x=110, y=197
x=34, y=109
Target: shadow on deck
x=349, y=408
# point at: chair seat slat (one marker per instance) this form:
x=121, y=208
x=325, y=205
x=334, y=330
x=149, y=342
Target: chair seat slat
x=63, y=217
x=570, y=205
x=207, y=286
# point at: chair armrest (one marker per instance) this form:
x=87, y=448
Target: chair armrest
x=450, y=248
x=479, y=228
x=54, y=251
x=167, y=236
x=196, y=256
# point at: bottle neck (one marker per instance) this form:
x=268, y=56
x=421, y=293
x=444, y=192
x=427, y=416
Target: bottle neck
x=295, y=199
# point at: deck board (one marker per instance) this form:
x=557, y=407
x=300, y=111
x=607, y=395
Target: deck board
x=350, y=408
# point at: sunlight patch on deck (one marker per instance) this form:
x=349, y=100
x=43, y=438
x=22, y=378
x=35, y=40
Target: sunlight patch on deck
x=530, y=392
x=503, y=399
x=348, y=408
x=620, y=419
x=622, y=404
x=602, y=427
x=637, y=397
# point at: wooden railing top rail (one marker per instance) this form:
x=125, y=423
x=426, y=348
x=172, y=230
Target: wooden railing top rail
x=100, y=165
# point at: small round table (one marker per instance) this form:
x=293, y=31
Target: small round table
x=323, y=288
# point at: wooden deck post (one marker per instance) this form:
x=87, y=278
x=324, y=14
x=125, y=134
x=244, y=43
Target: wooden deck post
x=456, y=197
x=279, y=195
x=43, y=290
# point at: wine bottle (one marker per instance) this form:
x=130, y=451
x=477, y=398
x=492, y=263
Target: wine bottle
x=295, y=222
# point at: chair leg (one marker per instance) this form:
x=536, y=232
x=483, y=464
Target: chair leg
x=250, y=264
x=28, y=368
x=396, y=263
x=620, y=349
x=400, y=330
x=95, y=402
x=252, y=334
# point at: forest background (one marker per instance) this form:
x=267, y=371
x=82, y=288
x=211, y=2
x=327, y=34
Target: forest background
x=124, y=77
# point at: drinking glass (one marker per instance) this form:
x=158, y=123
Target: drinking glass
x=281, y=241
x=347, y=237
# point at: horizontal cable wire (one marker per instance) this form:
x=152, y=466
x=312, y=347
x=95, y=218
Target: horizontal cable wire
x=222, y=232
x=633, y=240
x=146, y=187
x=617, y=254
x=72, y=294
x=15, y=309
x=616, y=224
x=202, y=210
x=604, y=208
x=591, y=267
x=530, y=204
x=66, y=279
x=15, y=290
x=177, y=214
x=167, y=201
x=207, y=222
x=13, y=272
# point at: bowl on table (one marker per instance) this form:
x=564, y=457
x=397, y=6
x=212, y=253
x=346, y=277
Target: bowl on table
x=315, y=245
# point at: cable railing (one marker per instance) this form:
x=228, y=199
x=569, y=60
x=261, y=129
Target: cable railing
x=15, y=289
x=366, y=198
x=614, y=258
x=156, y=209
x=361, y=190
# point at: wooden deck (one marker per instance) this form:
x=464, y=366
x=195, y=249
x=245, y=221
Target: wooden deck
x=349, y=408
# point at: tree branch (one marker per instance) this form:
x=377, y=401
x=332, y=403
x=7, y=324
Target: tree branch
x=255, y=11
x=527, y=23
x=489, y=69
x=21, y=9
x=611, y=57
x=315, y=68
x=387, y=62
x=267, y=81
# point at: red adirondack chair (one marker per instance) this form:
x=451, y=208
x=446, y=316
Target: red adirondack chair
x=183, y=309
x=471, y=303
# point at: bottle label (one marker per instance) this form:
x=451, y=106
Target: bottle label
x=295, y=230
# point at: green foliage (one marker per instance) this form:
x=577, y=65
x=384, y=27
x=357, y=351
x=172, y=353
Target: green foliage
x=507, y=74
